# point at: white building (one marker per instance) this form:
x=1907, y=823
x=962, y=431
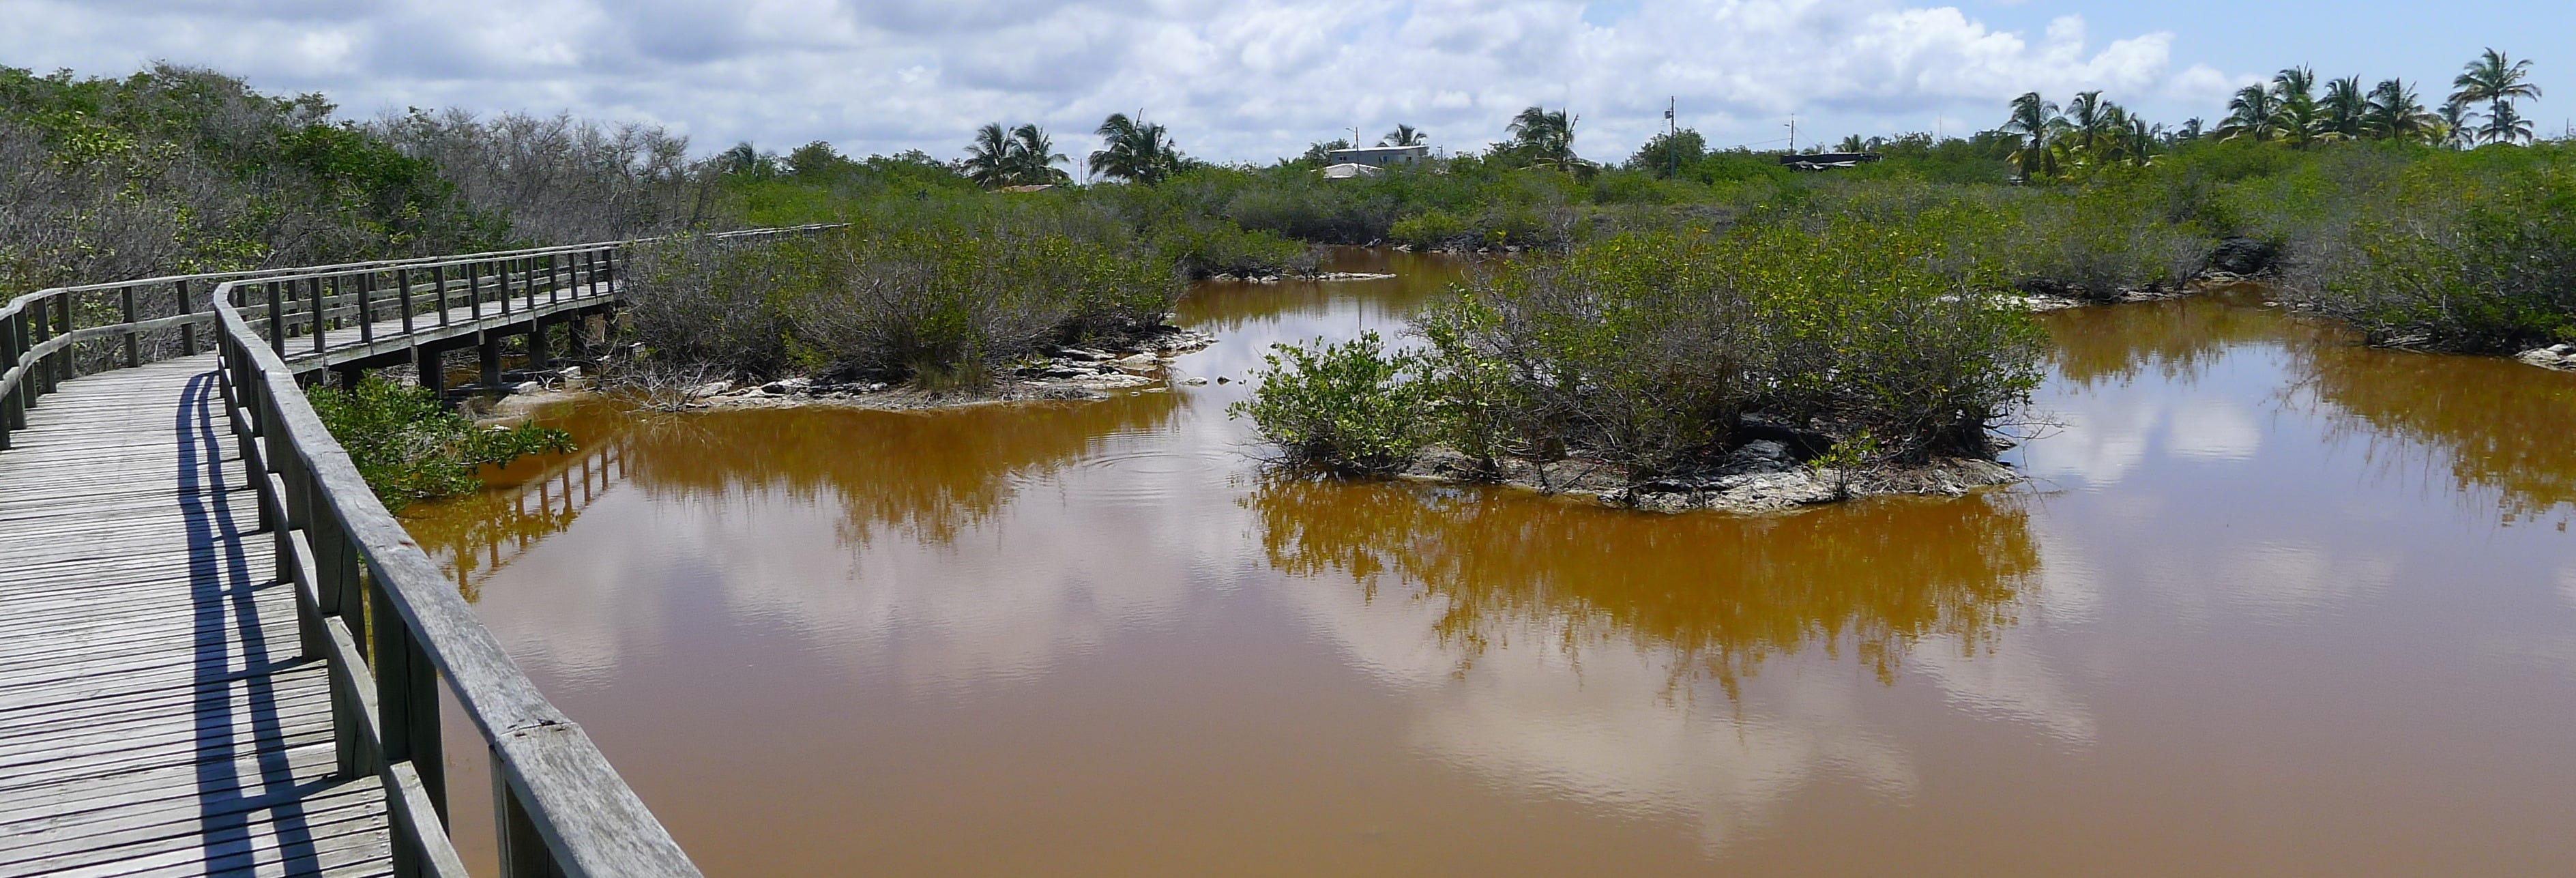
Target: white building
x=1377, y=156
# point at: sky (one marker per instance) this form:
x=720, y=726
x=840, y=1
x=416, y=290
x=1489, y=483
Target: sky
x=1255, y=81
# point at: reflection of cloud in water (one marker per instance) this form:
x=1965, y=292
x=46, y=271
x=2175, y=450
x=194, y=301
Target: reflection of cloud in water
x=2010, y=681
x=2275, y=581
x=2109, y=432
x=2214, y=429
x=1606, y=727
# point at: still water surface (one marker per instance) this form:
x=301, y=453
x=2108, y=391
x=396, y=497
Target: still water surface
x=2273, y=604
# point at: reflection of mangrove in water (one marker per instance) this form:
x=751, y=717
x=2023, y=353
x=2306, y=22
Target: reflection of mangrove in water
x=2174, y=339
x=2482, y=427
x=1714, y=595
x=928, y=474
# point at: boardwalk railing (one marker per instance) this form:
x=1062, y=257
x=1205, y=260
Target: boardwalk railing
x=369, y=601
x=53, y=335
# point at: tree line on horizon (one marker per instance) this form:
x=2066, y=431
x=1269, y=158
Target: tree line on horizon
x=2049, y=140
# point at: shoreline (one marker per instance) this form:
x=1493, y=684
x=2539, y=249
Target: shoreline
x=1759, y=478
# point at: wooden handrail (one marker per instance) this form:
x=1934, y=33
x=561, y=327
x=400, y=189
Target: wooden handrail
x=369, y=601
x=41, y=332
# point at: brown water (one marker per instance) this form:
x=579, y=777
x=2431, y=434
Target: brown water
x=2273, y=605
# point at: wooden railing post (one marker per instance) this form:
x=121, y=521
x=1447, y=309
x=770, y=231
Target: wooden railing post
x=366, y=307
x=402, y=280
x=407, y=715
x=133, y=340
x=276, y=319
x=38, y=379
x=187, y=331
x=474, y=290
x=438, y=286
x=320, y=304
x=504, y=269
x=523, y=851
x=64, y=368
x=10, y=417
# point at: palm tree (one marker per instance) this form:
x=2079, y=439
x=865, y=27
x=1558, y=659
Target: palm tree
x=988, y=158
x=1022, y=156
x=2499, y=81
x=2088, y=118
x=2504, y=125
x=1403, y=135
x=2190, y=130
x=2299, y=119
x=747, y=161
x=1033, y=157
x=1546, y=137
x=2394, y=112
x=2254, y=112
x=2345, y=108
x=2035, y=120
x=1133, y=150
x=2456, y=130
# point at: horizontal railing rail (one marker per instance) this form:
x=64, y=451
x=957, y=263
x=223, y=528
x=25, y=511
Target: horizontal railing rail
x=53, y=335
x=369, y=601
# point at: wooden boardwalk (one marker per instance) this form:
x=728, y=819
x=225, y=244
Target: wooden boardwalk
x=156, y=717
x=219, y=660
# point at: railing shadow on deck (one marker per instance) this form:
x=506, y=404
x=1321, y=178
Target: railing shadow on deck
x=224, y=597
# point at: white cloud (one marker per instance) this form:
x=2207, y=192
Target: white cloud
x=1249, y=80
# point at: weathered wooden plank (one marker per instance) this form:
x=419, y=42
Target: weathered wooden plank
x=176, y=782
x=172, y=846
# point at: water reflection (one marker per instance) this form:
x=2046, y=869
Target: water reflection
x=2489, y=431
x=2171, y=340
x=476, y=535
x=1226, y=308
x=1708, y=595
x=926, y=475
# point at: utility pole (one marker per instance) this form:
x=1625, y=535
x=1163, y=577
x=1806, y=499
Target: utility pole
x=1793, y=134
x=1672, y=137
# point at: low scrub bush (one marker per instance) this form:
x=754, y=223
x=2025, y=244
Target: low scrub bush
x=939, y=300
x=2097, y=243
x=1350, y=406
x=1651, y=350
x=411, y=447
x=2462, y=258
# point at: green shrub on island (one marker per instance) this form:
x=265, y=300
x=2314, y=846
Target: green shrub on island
x=1656, y=351
x=409, y=446
x=1347, y=406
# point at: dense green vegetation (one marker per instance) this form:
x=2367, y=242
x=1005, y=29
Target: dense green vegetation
x=1659, y=352
x=409, y=446
x=938, y=296
x=175, y=169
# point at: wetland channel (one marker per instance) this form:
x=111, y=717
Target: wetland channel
x=2271, y=603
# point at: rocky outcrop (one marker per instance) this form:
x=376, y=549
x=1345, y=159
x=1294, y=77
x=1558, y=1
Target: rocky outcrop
x=2561, y=357
x=1761, y=476
x=2243, y=257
